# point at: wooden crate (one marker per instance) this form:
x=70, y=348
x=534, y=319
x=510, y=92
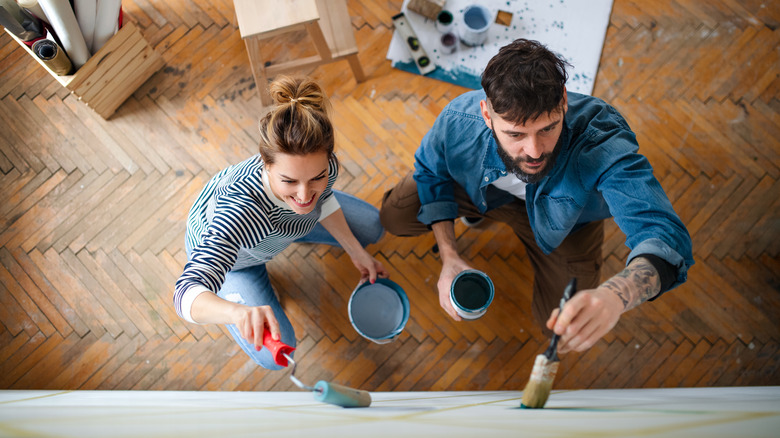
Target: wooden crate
x=112, y=74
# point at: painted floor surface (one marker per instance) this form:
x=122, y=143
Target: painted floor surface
x=680, y=412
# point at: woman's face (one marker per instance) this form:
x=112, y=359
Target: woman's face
x=299, y=180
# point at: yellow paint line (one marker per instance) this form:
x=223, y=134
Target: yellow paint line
x=34, y=398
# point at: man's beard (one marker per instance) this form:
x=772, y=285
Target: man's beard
x=513, y=164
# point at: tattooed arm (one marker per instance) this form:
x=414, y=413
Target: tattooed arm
x=636, y=284
x=592, y=313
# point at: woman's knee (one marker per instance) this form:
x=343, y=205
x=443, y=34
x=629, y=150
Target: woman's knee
x=362, y=218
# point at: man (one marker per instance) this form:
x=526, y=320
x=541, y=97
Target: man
x=552, y=165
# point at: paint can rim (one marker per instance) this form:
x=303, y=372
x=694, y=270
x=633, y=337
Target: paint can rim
x=403, y=300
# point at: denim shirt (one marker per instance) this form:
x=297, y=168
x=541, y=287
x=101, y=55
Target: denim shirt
x=598, y=174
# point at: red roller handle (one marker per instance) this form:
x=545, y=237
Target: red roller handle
x=277, y=348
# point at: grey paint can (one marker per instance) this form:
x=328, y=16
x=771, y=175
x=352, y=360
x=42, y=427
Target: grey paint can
x=379, y=311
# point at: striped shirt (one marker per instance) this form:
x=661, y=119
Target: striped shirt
x=238, y=222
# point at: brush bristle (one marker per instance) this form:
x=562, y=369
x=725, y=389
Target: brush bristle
x=540, y=383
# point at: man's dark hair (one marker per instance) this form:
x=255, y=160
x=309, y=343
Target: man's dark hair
x=524, y=80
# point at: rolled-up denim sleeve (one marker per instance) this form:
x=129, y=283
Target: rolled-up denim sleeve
x=638, y=203
x=434, y=182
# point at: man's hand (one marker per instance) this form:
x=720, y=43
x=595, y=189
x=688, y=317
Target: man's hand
x=451, y=263
x=586, y=318
x=449, y=270
x=592, y=313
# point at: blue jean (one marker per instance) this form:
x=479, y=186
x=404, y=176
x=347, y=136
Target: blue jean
x=252, y=287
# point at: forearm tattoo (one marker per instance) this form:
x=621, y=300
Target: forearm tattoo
x=636, y=284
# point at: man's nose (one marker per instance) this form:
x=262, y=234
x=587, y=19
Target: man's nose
x=533, y=147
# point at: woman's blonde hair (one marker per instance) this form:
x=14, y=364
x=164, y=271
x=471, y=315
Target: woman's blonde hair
x=298, y=123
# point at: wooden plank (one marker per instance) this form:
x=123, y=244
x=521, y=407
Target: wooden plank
x=13, y=287
x=25, y=214
x=69, y=210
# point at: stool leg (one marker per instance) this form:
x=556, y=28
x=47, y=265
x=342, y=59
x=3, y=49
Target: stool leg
x=357, y=70
x=258, y=69
x=319, y=41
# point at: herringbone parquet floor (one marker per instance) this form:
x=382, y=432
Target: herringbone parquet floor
x=92, y=211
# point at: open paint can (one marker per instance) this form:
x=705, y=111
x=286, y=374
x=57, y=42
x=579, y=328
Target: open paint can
x=445, y=21
x=475, y=24
x=449, y=43
x=379, y=311
x=471, y=293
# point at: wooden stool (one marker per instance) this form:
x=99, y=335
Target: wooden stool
x=327, y=22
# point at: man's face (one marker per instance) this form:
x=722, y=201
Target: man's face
x=527, y=150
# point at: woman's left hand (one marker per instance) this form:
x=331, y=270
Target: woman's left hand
x=369, y=267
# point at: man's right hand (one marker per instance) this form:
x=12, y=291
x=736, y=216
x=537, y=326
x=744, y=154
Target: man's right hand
x=451, y=263
x=449, y=270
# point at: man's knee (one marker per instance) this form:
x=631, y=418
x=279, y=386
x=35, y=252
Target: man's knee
x=398, y=214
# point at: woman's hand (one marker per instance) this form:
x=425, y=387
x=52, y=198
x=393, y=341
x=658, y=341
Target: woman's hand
x=369, y=267
x=253, y=321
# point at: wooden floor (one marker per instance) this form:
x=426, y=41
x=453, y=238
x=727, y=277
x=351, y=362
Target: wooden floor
x=92, y=213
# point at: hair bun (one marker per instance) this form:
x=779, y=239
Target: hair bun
x=290, y=90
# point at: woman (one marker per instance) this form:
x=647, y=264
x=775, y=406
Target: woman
x=253, y=210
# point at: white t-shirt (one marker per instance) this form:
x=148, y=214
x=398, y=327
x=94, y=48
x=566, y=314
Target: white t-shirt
x=511, y=184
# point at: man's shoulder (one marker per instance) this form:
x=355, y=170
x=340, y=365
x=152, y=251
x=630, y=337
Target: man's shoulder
x=467, y=104
x=588, y=112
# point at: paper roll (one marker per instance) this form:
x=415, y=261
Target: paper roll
x=86, y=10
x=63, y=20
x=105, y=22
x=20, y=22
x=34, y=7
x=53, y=56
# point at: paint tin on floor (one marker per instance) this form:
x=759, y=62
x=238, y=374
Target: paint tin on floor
x=449, y=43
x=476, y=22
x=471, y=293
x=379, y=311
x=445, y=21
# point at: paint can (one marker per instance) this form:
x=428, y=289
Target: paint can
x=445, y=21
x=471, y=293
x=379, y=311
x=476, y=22
x=449, y=43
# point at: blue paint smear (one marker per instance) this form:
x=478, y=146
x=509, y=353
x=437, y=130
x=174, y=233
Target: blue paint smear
x=461, y=77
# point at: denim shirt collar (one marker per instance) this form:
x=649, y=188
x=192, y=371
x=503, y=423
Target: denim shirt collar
x=491, y=163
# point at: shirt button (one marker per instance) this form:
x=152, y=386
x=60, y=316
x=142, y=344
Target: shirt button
x=486, y=178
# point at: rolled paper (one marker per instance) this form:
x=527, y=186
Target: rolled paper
x=19, y=22
x=53, y=56
x=34, y=8
x=12, y=24
x=86, y=11
x=13, y=8
x=63, y=20
x=105, y=22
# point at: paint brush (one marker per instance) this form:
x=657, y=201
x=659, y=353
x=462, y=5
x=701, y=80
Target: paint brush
x=323, y=391
x=540, y=383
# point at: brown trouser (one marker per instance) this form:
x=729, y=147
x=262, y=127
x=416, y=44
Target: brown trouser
x=578, y=256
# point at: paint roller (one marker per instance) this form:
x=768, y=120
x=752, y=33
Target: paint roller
x=323, y=391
